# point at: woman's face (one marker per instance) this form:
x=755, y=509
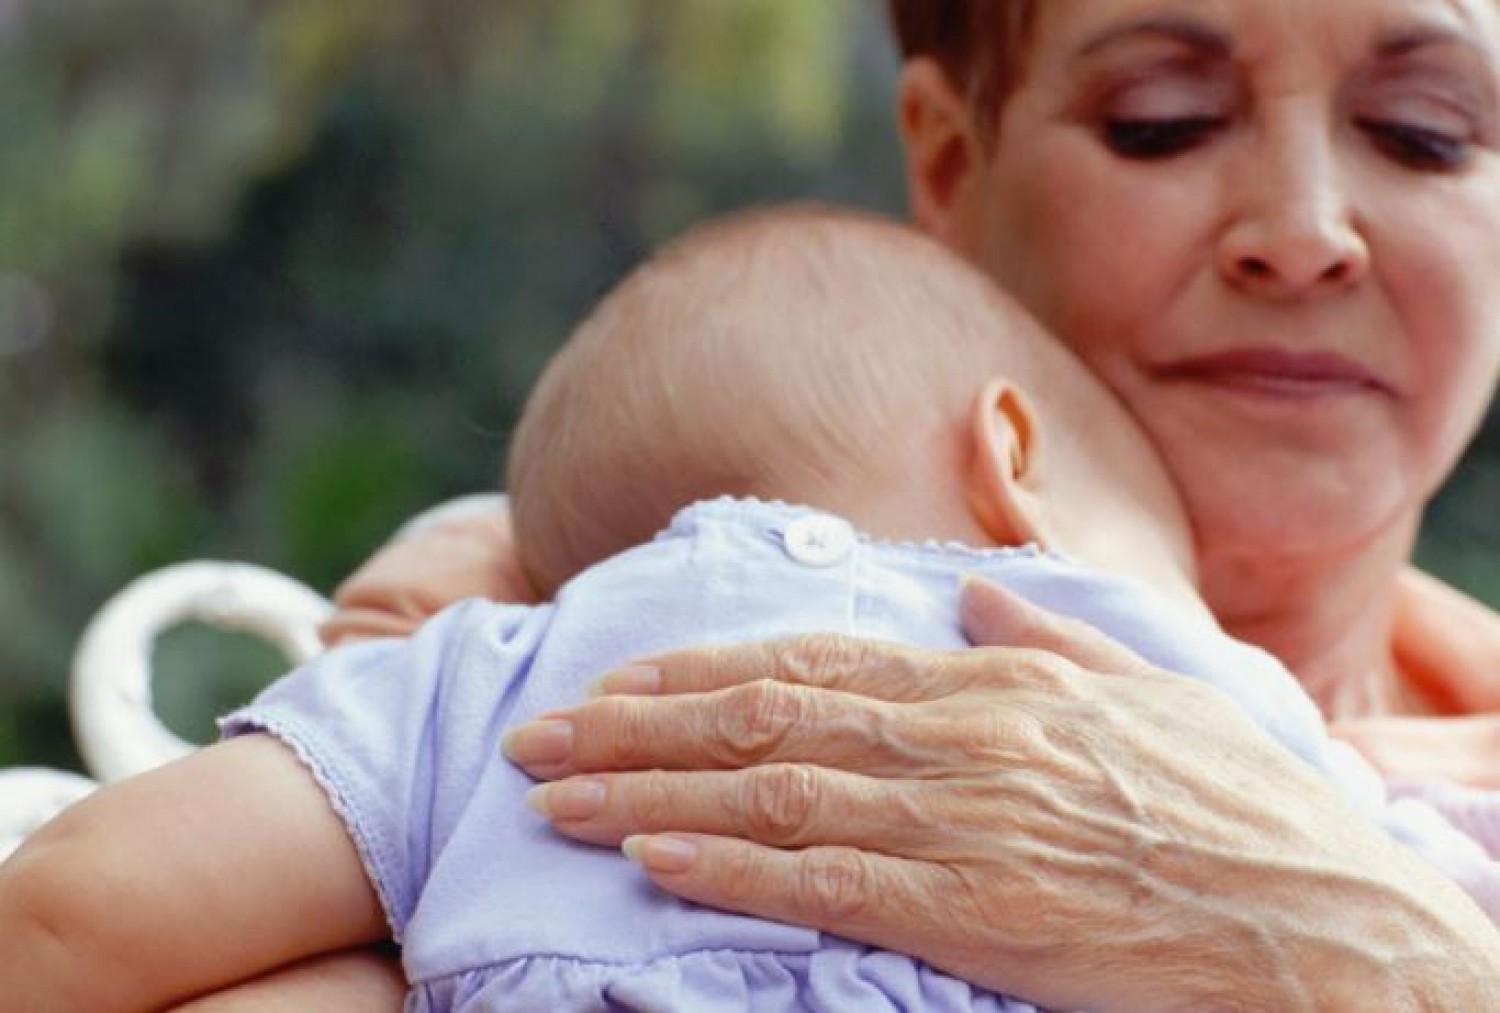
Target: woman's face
x=1273, y=228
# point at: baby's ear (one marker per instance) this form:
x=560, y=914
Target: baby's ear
x=1005, y=488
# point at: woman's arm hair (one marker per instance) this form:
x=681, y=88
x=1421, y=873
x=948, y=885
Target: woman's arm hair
x=210, y=870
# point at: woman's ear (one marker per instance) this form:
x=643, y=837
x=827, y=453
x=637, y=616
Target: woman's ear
x=944, y=156
x=1005, y=488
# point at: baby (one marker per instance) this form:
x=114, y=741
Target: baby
x=758, y=390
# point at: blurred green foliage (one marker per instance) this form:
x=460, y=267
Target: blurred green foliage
x=275, y=275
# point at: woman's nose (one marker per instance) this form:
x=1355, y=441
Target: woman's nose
x=1293, y=230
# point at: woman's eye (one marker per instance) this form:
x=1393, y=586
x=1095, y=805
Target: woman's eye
x=1417, y=147
x=1158, y=138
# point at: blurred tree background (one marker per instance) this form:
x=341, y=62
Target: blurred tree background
x=276, y=274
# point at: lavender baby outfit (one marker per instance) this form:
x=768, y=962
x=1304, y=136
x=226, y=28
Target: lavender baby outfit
x=496, y=912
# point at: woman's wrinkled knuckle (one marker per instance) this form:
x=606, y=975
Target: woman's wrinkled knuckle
x=779, y=803
x=982, y=733
x=1027, y=668
x=754, y=720
x=819, y=659
x=1003, y=742
x=834, y=885
x=1030, y=668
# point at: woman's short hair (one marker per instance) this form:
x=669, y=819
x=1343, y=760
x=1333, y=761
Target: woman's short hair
x=980, y=44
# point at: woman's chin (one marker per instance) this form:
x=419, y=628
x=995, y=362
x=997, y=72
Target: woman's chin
x=1278, y=479
x=1312, y=516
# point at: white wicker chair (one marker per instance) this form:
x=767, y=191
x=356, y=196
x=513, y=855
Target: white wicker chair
x=117, y=731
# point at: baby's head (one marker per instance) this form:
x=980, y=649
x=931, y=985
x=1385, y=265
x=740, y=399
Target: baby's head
x=840, y=361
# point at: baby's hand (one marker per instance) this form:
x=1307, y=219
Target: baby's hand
x=1463, y=750
x=417, y=575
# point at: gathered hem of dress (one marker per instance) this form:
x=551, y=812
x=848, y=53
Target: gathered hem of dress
x=842, y=976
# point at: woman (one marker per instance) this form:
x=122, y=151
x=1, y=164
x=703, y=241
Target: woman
x=1272, y=227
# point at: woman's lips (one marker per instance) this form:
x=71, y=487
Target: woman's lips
x=1273, y=373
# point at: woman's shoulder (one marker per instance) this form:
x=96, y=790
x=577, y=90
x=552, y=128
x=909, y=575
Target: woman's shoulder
x=1447, y=644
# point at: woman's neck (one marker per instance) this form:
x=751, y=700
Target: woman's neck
x=1328, y=620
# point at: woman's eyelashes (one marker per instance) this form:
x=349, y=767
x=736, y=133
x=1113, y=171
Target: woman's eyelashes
x=1153, y=138
x=1166, y=115
x=1417, y=147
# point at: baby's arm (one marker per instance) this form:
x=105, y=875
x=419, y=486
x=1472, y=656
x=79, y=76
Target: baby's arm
x=210, y=870
x=367, y=980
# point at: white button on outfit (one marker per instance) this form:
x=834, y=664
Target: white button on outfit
x=818, y=539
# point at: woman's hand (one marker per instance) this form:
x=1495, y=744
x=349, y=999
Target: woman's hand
x=415, y=576
x=1058, y=821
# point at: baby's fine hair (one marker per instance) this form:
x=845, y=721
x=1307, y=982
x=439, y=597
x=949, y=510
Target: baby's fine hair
x=782, y=353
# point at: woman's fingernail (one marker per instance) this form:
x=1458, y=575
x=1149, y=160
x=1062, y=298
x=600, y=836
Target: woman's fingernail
x=549, y=741
x=567, y=800
x=632, y=680
x=969, y=578
x=657, y=853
